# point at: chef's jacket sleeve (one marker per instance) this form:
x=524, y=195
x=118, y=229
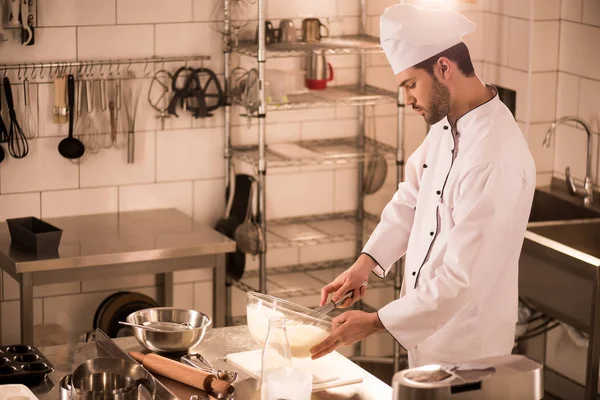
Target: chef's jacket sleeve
x=483, y=217
x=389, y=240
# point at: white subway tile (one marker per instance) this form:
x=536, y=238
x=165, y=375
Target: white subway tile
x=346, y=188
x=193, y=275
x=190, y=39
x=578, y=49
x=511, y=79
x=74, y=313
x=571, y=150
x=64, y=203
x=293, y=8
x=545, y=45
x=543, y=179
x=56, y=289
x=545, y=9
x=115, y=41
x=159, y=195
x=497, y=39
x=512, y=8
x=591, y=12
x=120, y=283
x=379, y=60
x=109, y=166
x=345, y=76
x=543, y=96
x=571, y=10
x=42, y=169
x=567, y=95
x=382, y=77
x=203, y=298
x=518, y=48
x=348, y=7
x=183, y=296
x=75, y=12
x=209, y=202
x=153, y=11
x=295, y=195
x=589, y=103
x=19, y=205
x=475, y=40
x=210, y=10
x=189, y=154
x=10, y=287
x=329, y=129
x=543, y=157
x=50, y=44
x=11, y=324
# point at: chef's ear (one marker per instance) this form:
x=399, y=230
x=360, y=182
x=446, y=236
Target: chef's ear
x=444, y=65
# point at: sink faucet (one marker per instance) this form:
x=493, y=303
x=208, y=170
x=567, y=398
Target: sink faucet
x=587, y=192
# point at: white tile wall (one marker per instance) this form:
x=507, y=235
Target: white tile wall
x=545, y=45
x=571, y=145
x=76, y=12
x=571, y=10
x=176, y=195
x=589, y=102
x=578, y=49
x=66, y=203
x=152, y=11
x=591, y=12
x=50, y=44
x=18, y=205
x=546, y=9
x=97, y=42
x=567, y=95
x=544, y=157
x=543, y=99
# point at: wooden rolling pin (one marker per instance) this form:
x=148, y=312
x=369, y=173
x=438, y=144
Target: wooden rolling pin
x=183, y=373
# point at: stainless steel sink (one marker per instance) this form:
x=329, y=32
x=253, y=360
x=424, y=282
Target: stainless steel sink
x=584, y=236
x=550, y=207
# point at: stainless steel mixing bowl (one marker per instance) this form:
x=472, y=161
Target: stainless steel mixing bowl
x=172, y=339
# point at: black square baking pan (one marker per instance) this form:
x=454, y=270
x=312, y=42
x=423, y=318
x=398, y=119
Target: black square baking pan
x=34, y=234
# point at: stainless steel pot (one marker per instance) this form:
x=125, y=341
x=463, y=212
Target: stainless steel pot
x=171, y=339
x=110, y=378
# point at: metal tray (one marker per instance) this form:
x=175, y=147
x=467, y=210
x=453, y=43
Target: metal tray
x=23, y=364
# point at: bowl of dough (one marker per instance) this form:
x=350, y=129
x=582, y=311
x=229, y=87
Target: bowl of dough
x=303, y=332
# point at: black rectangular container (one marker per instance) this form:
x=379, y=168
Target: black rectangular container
x=23, y=364
x=34, y=234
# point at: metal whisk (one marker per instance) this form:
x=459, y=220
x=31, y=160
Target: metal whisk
x=18, y=147
x=131, y=98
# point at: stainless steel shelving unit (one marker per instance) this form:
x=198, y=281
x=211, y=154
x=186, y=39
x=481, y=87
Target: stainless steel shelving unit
x=312, y=230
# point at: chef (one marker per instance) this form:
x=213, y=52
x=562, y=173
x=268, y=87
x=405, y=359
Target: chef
x=461, y=213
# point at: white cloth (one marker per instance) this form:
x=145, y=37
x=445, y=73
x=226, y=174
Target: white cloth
x=411, y=34
x=460, y=216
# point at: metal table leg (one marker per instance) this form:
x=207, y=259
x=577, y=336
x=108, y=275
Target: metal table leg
x=593, y=354
x=165, y=289
x=219, y=292
x=27, y=308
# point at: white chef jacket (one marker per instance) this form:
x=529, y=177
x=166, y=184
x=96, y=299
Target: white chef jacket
x=460, y=216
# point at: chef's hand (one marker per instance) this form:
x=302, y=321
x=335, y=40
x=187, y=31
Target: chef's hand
x=351, y=279
x=348, y=328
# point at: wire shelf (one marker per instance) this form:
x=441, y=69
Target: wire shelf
x=313, y=152
x=355, y=44
x=342, y=96
x=316, y=229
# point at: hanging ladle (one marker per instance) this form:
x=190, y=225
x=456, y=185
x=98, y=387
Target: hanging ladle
x=71, y=147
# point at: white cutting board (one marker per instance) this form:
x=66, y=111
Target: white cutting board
x=16, y=392
x=326, y=371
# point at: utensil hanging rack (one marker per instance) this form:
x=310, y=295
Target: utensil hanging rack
x=43, y=71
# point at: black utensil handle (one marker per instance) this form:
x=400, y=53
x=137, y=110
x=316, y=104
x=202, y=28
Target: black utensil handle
x=71, y=100
x=8, y=94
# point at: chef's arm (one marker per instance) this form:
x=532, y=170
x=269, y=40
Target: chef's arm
x=485, y=213
x=389, y=240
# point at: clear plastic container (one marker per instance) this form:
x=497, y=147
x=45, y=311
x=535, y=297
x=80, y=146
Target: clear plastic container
x=276, y=88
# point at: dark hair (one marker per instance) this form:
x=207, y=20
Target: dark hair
x=458, y=53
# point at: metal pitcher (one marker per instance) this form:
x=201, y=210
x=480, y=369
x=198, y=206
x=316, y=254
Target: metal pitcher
x=311, y=30
x=318, y=72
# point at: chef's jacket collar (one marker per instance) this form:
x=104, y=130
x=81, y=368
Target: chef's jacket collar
x=473, y=115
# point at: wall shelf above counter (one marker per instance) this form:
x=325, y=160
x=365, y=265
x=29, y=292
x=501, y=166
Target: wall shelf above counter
x=354, y=44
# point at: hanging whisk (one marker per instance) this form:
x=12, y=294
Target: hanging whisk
x=18, y=147
x=29, y=121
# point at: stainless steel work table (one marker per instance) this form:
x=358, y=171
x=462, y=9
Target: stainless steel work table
x=215, y=346
x=119, y=244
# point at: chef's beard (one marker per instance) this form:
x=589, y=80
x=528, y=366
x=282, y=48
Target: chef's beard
x=439, y=105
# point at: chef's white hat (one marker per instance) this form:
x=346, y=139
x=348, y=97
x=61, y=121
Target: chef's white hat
x=411, y=34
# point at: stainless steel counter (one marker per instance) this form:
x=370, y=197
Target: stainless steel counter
x=217, y=343
x=118, y=244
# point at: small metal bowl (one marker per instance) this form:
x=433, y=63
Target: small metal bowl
x=169, y=340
